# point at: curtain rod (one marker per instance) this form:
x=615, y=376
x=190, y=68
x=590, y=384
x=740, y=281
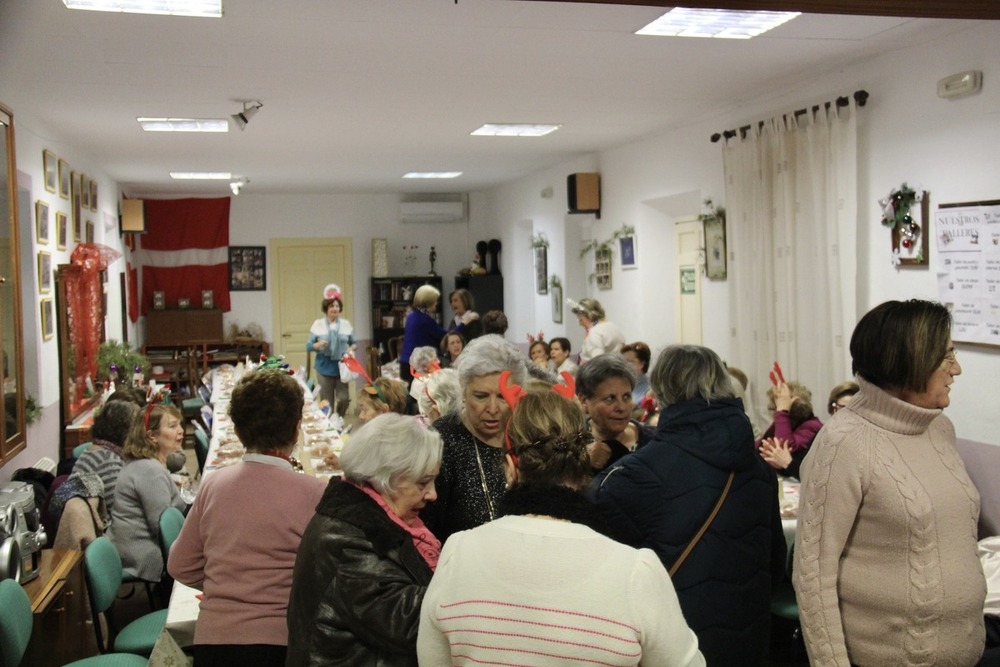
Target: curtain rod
x=860, y=97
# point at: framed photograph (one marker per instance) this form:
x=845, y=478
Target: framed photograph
x=247, y=268
x=64, y=179
x=50, y=168
x=84, y=192
x=715, y=249
x=627, y=246
x=48, y=319
x=77, y=229
x=93, y=196
x=62, y=230
x=542, y=270
x=557, y=303
x=90, y=231
x=42, y=222
x=602, y=267
x=44, y=272
x=911, y=245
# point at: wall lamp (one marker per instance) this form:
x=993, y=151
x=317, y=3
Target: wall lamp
x=238, y=184
x=250, y=108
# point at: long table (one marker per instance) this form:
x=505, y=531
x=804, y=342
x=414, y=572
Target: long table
x=184, y=606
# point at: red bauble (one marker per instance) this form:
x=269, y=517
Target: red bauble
x=907, y=243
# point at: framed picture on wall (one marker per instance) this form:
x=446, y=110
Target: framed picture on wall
x=93, y=196
x=910, y=241
x=627, y=247
x=557, y=302
x=541, y=270
x=62, y=230
x=84, y=192
x=247, y=268
x=42, y=222
x=715, y=248
x=51, y=169
x=48, y=319
x=44, y=272
x=90, y=231
x=64, y=179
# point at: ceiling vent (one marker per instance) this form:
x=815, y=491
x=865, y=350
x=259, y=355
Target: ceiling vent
x=450, y=209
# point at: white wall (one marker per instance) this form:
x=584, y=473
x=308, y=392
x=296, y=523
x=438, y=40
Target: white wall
x=906, y=134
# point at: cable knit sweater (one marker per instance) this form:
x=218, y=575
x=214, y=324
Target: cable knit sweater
x=886, y=571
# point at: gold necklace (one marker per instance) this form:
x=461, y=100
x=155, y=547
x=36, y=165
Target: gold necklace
x=482, y=478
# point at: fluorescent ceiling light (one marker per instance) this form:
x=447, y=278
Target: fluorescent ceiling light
x=433, y=174
x=199, y=8
x=202, y=175
x=722, y=23
x=515, y=130
x=184, y=124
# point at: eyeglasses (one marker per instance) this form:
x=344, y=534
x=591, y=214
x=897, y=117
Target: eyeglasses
x=951, y=356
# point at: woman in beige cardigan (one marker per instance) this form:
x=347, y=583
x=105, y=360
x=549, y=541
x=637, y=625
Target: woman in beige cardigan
x=886, y=571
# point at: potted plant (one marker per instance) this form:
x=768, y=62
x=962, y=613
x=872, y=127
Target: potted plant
x=124, y=359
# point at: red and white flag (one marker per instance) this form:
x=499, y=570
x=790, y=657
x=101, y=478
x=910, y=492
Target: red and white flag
x=184, y=250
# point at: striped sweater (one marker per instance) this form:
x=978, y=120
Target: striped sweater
x=528, y=590
x=106, y=461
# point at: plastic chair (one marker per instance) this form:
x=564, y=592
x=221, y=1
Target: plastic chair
x=206, y=416
x=80, y=449
x=171, y=522
x=205, y=393
x=201, y=447
x=104, y=578
x=16, y=621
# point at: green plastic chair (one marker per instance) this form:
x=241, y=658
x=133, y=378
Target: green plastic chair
x=80, y=449
x=15, y=632
x=171, y=522
x=104, y=578
x=201, y=448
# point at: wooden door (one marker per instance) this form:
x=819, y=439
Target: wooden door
x=302, y=268
x=688, y=281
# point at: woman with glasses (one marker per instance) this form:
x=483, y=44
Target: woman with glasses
x=786, y=441
x=841, y=395
x=542, y=584
x=886, y=569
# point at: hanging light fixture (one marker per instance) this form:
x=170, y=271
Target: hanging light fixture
x=250, y=108
x=238, y=184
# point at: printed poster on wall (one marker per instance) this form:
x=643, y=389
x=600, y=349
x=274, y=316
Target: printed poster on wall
x=968, y=240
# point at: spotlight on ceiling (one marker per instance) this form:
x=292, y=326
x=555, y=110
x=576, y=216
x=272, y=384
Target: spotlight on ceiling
x=238, y=184
x=250, y=108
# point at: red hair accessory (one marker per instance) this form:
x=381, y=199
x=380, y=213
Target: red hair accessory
x=354, y=365
x=511, y=393
x=567, y=390
x=432, y=367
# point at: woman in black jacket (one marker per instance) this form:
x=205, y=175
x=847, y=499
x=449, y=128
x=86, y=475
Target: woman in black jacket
x=661, y=495
x=366, y=557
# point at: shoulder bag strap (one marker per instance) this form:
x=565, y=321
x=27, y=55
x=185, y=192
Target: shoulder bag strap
x=708, y=522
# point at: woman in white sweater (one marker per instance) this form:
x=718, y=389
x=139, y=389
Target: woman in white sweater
x=560, y=593
x=886, y=569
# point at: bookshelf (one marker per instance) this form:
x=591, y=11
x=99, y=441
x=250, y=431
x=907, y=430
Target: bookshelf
x=391, y=299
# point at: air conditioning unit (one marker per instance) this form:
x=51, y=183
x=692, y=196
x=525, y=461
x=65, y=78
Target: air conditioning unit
x=432, y=211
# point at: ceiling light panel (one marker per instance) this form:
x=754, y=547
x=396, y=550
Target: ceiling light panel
x=184, y=124
x=201, y=175
x=720, y=23
x=515, y=130
x=199, y=8
x=433, y=174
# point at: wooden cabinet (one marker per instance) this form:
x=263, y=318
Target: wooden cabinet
x=183, y=364
x=63, y=630
x=391, y=299
x=183, y=327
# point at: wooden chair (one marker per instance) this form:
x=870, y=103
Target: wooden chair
x=395, y=347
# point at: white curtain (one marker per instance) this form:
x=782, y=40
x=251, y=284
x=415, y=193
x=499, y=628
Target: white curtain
x=791, y=214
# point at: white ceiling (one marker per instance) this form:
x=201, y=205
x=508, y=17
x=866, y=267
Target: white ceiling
x=356, y=93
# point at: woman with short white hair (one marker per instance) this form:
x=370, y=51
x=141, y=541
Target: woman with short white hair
x=441, y=395
x=366, y=557
x=471, y=481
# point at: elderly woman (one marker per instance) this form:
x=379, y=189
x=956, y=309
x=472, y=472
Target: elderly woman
x=841, y=395
x=604, y=387
x=886, y=569
x=381, y=396
x=451, y=346
x=366, y=557
x=540, y=355
x=104, y=457
x=240, y=538
x=786, y=441
x=602, y=336
x=441, y=396
x=616, y=607
x=464, y=305
x=559, y=350
x=421, y=327
x=638, y=356
x=330, y=338
x=471, y=481
x=144, y=489
x=701, y=497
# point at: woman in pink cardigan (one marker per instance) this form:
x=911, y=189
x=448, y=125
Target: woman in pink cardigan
x=239, y=541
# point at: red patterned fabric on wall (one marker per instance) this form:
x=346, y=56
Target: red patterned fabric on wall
x=184, y=250
x=85, y=298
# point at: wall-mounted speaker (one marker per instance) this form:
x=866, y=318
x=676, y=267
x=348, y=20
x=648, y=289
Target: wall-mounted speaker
x=132, y=216
x=583, y=193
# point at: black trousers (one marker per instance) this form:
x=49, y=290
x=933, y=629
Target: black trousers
x=244, y=655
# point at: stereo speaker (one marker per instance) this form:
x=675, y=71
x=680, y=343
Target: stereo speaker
x=583, y=192
x=132, y=216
